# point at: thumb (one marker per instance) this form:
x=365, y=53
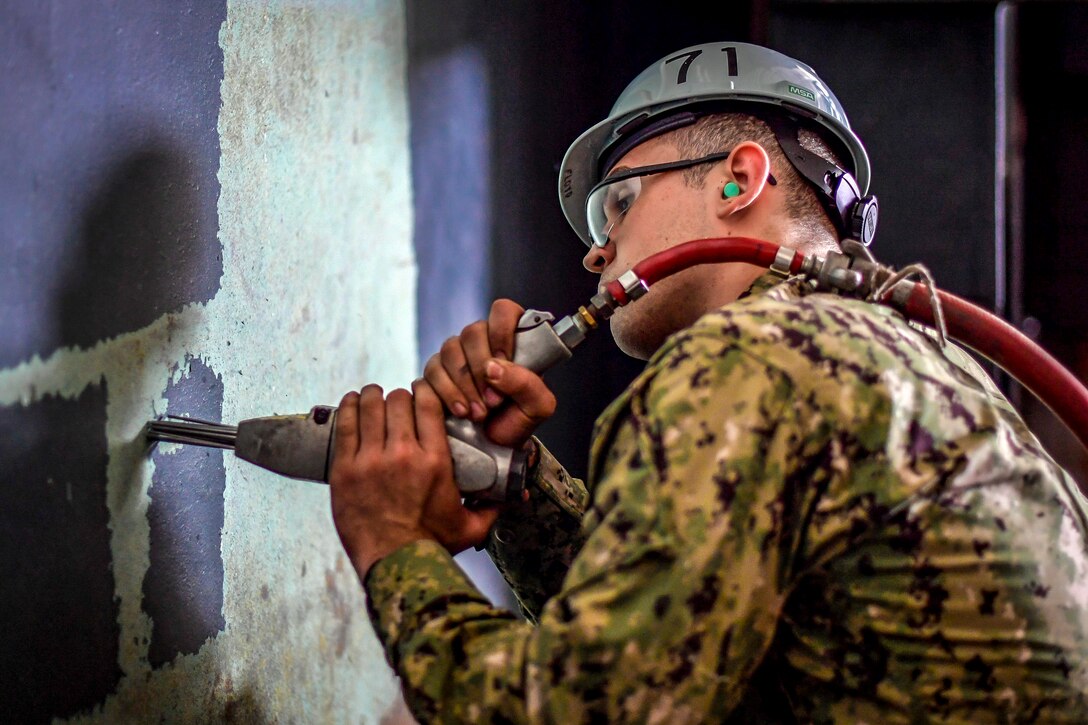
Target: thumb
x=530, y=402
x=475, y=525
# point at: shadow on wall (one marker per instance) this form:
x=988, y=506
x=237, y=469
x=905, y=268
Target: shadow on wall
x=145, y=248
x=139, y=248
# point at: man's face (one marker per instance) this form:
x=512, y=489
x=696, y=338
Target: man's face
x=667, y=212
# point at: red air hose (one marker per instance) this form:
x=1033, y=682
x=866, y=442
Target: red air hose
x=702, y=251
x=978, y=329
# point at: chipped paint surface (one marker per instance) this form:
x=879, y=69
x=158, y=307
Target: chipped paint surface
x=317, y=296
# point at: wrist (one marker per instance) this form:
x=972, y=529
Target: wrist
x=371, y=550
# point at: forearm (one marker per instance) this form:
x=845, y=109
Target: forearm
x=614, y=640
x=434, y=625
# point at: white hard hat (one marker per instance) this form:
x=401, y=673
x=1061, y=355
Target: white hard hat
x=712, y=75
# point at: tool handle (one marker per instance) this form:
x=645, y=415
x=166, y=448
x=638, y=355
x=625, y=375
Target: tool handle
x=300, y=446
x=536, y=344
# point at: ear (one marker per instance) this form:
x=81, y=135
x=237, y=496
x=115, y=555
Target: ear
x=748, y=167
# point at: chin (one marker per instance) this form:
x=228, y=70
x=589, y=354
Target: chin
x=673, y=304
x=633, y=336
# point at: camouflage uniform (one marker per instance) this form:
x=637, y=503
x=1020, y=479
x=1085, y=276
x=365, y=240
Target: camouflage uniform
x=800, y=511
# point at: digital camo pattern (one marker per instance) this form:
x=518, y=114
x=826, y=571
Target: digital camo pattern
x=801, y=511
x=534, y=542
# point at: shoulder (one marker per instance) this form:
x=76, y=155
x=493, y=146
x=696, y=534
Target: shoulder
x=834, y=362
x=823, y=338
x=790, y=330
x=718, y=375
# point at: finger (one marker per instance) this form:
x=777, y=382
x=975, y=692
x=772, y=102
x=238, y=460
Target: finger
x=531, y=402
x=453, y=361
x=477, y=349
x=346, y=441
x=437, y=377
x=523, y=387
x=400, y=419
x=502, y=326
x=430, y=423
x=371, y=408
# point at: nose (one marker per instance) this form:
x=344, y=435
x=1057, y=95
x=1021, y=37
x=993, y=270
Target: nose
x=597, y=258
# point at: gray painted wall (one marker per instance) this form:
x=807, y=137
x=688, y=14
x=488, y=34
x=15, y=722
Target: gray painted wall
x=206, y=211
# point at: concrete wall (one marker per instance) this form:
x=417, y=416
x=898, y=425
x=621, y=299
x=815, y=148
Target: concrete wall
x=206, y=211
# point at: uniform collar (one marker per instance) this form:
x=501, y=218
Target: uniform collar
x=764, y=282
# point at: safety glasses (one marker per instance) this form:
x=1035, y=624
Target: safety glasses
x=610, y=199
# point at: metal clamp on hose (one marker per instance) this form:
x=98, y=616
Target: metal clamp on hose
x=633, y=285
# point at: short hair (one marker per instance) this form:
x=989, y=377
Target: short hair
x=722, y=131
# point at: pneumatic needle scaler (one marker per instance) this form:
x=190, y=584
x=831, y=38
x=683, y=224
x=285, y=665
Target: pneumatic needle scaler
x=300, y=446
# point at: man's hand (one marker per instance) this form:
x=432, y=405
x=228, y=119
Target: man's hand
x=474, y=377
x=392, y=477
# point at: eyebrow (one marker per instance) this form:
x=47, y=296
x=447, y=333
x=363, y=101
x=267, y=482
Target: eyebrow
x=617, y=170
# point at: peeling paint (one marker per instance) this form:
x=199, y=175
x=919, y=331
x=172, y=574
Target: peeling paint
x=183, y=586
x=316, y=297
x=59, y=639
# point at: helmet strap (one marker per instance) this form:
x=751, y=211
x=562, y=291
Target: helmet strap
x=854, y=216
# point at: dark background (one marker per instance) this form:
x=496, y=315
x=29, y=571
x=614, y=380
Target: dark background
x=978, y=166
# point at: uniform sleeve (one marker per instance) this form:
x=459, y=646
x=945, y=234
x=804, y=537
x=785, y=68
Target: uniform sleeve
x=533, y=542
x=671, y=603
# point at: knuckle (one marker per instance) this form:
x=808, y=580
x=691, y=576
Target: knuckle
x=365, y=461
x=400, y=457
x=436, y=376
x=545, y=404
x=474, y=329
x=504, y=305
x=426, y=398
x=432, y=460
x=403, y=456
x=451, y=347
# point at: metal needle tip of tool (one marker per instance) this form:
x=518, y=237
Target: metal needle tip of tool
x=192, y=432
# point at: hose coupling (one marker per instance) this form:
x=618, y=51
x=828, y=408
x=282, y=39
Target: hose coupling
x=633, y=285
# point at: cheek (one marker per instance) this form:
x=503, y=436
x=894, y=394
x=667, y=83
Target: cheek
x=639, y=242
